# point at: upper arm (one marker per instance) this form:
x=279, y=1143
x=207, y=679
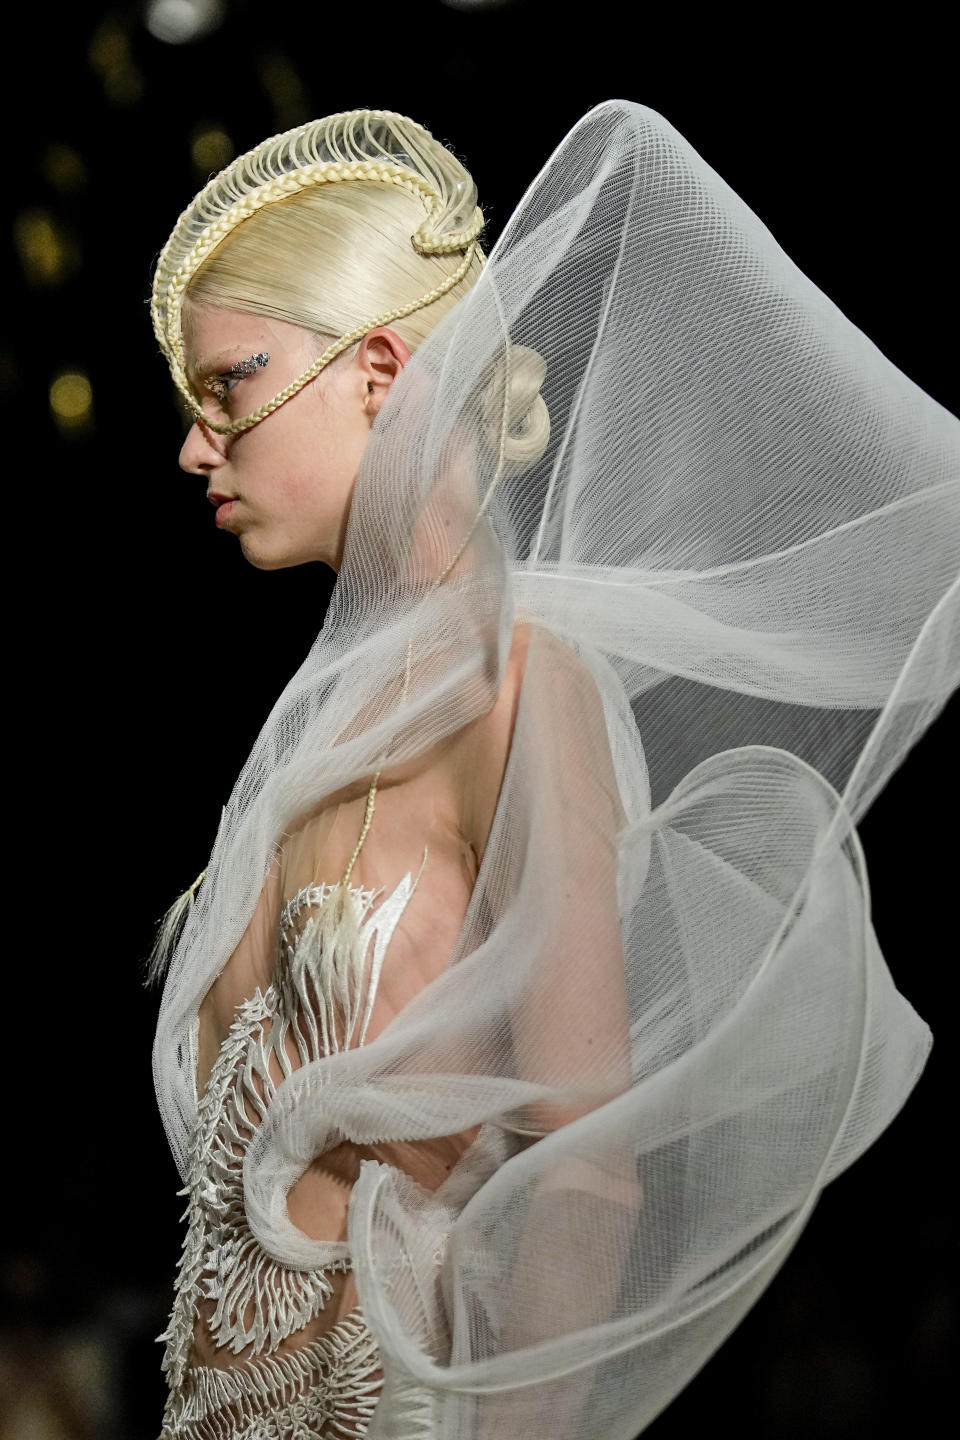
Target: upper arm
x=570, y=1024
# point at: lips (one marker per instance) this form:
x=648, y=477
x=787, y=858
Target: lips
x=223, y=512
x=216, y=499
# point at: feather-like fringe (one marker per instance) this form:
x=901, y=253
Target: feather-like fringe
x=170, y=927
x=322, y=973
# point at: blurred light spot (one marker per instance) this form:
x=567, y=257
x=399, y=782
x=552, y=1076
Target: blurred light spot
x=84, y=1363
x=63, y=168
x=109, y=46
x=71, y=402
x=210, y=148
x=48, y=254
x=284, y=89
x=123, y=86
x=109, y=56
x=177, y=22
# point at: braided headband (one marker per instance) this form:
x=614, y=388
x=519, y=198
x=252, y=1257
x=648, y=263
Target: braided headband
x=167, y=300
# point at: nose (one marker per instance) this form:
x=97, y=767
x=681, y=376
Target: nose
x=203, y=450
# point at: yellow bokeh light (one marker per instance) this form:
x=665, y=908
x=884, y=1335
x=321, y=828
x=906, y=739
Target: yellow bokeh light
x=47, y=253
x=123, y=86
x=71, y=400
x=285, y=91
x=64, y=168
x=109, y=46
x=109, y=56
x=210, y=148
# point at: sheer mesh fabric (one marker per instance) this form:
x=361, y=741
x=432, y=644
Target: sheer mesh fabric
x=657, y=1017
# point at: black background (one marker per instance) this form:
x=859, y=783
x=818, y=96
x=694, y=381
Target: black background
x=147, y=653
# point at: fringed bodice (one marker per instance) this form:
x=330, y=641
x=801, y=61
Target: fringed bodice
x=292, y=1380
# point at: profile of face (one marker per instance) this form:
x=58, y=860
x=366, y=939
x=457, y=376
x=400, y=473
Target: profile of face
x=289, y=479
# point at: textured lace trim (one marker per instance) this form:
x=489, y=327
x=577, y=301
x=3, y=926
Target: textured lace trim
x=329, y=1387
x=321, y=998
x=221, y=1261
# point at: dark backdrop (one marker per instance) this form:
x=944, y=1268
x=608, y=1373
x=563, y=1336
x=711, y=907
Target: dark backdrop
x=148, y=654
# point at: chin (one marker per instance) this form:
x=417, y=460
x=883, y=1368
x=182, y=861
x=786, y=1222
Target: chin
x=263, y=559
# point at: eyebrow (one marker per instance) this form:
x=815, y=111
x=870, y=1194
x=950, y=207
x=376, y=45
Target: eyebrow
x=220, y=366
x=202, y=368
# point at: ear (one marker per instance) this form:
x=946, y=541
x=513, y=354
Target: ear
x=380, y=358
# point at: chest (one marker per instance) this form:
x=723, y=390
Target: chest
x=431, y=820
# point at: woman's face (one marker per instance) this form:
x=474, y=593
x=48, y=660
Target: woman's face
x=290, y=478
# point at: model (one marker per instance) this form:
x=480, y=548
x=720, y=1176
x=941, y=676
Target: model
x=530, y=997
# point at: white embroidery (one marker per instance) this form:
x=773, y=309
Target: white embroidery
x=328, y=1387
x=322, y=997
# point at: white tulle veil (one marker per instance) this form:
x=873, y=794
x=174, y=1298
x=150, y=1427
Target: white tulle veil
x=745, y=533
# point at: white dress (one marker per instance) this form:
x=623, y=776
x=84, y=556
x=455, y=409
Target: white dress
x=285, y=1386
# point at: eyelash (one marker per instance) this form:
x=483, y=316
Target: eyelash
x=221, y=385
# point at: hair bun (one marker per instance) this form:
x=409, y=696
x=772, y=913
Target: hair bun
x=527, y=416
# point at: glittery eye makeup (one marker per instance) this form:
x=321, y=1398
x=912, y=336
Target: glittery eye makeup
x=221, y=384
